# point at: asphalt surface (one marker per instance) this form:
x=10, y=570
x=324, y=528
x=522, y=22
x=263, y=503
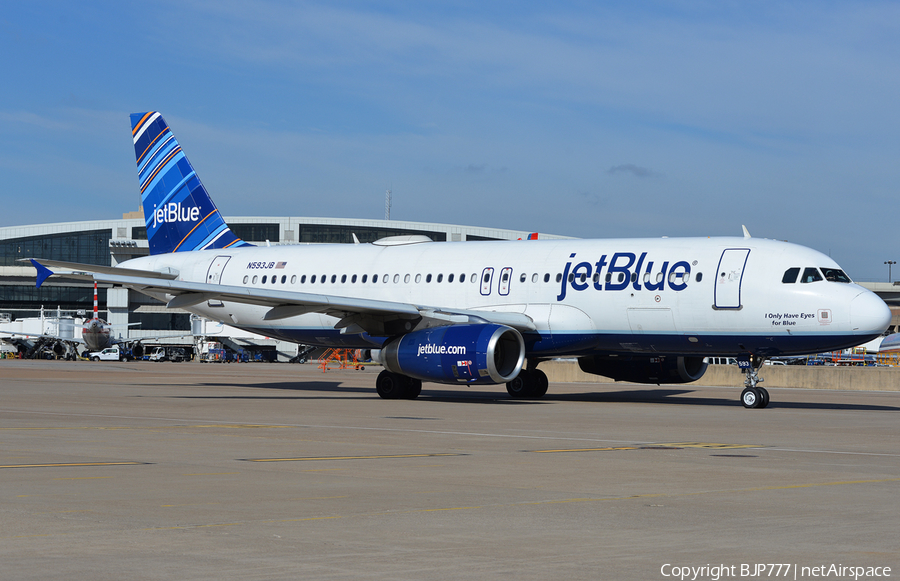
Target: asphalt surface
x=280, y=471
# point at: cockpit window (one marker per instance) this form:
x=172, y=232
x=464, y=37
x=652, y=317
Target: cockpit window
x=810, y=274
x=835, y=275
x=790, y=275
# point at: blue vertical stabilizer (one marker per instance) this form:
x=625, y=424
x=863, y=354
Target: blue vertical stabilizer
x=178, y=211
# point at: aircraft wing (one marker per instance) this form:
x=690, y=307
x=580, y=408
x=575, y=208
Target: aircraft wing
x=86, y=271
x=42, y=336
x=356, y=315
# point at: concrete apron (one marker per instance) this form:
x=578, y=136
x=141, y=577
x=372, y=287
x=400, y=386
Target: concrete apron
x=812, y=377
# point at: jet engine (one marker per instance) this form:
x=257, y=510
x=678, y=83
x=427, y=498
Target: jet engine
x=476, y=353
x=658, y=369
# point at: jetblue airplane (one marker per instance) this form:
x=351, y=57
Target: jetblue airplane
x=639, y=310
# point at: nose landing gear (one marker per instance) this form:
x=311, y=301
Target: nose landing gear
x=754, y=396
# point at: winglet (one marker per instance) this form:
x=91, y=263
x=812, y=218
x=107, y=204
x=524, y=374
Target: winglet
x=43, y=273
x=746, y=232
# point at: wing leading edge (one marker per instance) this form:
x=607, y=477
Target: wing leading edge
x=356, y=315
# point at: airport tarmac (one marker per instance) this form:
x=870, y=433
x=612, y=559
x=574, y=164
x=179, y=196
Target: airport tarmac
x=279, y=471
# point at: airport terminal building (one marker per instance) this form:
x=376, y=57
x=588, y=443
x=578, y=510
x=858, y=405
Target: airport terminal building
x=110, y=242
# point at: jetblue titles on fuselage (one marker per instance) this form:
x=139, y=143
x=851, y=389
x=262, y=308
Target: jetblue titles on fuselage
x=622, y=270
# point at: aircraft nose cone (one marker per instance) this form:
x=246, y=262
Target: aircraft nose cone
x=869, y=313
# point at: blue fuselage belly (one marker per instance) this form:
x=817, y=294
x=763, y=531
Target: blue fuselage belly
x=577, y=344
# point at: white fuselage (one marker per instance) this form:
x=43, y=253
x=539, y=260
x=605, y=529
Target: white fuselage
x=710, y=296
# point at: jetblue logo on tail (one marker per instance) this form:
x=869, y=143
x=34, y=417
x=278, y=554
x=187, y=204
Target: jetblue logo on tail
x=170, y=213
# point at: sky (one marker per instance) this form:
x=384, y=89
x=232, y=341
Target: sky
x=586, y=119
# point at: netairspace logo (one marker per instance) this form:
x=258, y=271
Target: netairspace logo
x=772, y=571
x=432, y=349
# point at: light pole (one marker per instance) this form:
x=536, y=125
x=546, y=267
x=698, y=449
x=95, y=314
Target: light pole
x=889, y=263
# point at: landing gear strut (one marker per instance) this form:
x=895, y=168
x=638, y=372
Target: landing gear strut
x=754, y=396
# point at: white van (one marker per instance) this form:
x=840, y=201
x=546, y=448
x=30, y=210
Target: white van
x=159, y=354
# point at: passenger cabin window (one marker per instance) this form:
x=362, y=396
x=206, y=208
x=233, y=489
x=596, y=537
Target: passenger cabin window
x=835, y=275
x=790, y=275
x=810, y=274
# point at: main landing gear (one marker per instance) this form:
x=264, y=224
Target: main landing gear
x=391, y=385
x=754, y=396
x=529, y=383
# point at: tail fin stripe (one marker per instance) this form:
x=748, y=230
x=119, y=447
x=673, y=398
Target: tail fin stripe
x=142, y=126
x=161, y=152
x=150, y=145
x=214, y=237
x=163, y=146
x=237, y=241
x=159, y=167
x=192, y=230
x=153, y=159
x=173, y=192
x=156, y=168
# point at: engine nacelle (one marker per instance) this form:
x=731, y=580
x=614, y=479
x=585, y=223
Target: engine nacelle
x=483, y=353
x=661, y=369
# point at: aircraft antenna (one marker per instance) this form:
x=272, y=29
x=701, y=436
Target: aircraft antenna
x=387, y=205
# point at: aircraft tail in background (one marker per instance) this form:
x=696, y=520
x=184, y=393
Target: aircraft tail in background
x=180, y=216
